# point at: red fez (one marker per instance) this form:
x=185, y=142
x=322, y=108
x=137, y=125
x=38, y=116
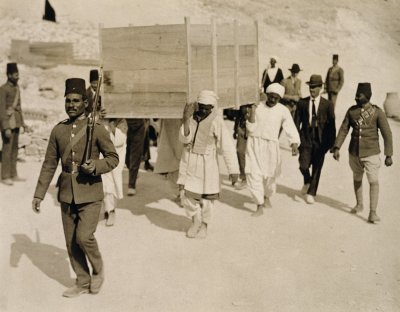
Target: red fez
x=335, y=57
x=12, y=68
x=75, y=85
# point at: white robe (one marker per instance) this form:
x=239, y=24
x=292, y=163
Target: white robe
x=112, y=181
x=263, y=152
x=200, y=173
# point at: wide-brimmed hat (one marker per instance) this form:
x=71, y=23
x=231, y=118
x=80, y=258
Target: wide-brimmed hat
x=315, y=81
x=295, y=68
x=364, y=88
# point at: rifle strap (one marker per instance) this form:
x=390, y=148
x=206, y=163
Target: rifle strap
x=71, y=143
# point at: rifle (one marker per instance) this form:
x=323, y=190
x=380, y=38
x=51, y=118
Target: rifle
x=92, y=119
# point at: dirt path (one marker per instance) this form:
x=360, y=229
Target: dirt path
x=297, y=257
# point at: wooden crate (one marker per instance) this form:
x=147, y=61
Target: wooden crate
x=152, y=71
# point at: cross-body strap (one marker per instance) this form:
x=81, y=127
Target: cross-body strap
x=16, y=98
x=71, y=143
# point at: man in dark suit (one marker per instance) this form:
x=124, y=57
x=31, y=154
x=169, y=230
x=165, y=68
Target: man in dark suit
x=80, y=188
x=315, y=121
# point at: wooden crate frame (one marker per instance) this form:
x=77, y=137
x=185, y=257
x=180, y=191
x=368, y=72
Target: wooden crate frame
x=152, y=71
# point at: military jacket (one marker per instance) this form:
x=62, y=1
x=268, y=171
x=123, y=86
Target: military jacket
x=8, y=92
x=67, y=142
x=365, y=122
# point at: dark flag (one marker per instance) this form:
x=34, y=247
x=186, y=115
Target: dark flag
x=49, y=13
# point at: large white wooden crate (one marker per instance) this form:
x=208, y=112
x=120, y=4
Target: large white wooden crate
x=152, y=71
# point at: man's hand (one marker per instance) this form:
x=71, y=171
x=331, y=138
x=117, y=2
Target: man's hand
x=295, y=149
x=102, y=113
x=7, y=133
x=336, y=154
x=388, y=161
x=88, y=167
x=188, y=111
x=36, y=204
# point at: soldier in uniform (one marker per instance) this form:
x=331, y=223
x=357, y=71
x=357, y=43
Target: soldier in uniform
x=364, y=152
x=92, y=89
x=80, y=188
x=11, y=120
x=334, y=80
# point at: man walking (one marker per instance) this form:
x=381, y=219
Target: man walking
x=315, y=121
x=80, y=188
x=263, y=156
x=365, y=119
x=334, y=80
x=204, y=134
x=11, y=121
x=292, y=85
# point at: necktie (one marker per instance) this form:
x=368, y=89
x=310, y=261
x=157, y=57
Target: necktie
x=314, y=115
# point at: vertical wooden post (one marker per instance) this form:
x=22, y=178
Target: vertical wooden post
x=236, y=68
x=256, y=83
x=188, y=59
x=214, y=53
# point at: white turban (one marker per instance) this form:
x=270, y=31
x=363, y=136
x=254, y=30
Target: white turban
x=276, y=88
x=274, y=57
x=207, y=97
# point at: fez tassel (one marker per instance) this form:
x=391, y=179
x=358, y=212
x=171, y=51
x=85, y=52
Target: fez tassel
x=92, y=120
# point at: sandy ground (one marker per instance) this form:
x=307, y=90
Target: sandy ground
x=297, y=257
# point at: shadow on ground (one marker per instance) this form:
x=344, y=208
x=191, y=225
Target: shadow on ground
x=51, y=260
x=149, y=201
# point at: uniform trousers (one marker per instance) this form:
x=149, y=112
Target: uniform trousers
x=311, y=156
x=369, y=164
x=198, y=206
x=9, y=154
x=332, y=96
x=80, y=223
